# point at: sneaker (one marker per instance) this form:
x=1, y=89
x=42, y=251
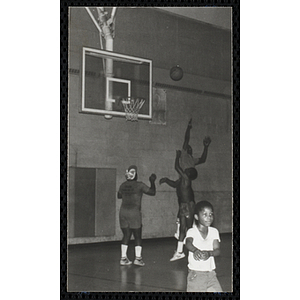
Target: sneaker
x=139, y=262
x=125, y=261
x=177, y=256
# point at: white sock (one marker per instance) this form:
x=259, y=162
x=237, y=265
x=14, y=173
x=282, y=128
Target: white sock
x=124, y=250
x=180, y=247
x=138, y=251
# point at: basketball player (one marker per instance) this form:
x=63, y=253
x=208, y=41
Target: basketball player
x=186, y=201
x=188, y=161
x=131, y=192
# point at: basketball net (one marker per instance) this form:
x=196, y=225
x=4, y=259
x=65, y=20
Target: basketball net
x=132, y=108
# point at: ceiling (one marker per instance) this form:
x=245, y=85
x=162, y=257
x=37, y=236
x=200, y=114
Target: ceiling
x=217, y=16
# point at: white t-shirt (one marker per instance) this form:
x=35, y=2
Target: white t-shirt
x=202, y=244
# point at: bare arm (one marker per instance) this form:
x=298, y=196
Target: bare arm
x=196, y=252
x=217, y=249
x=187, y=135
x=215, y=252
x=203, y=255
x=189, y=245
x=169, y=182
x=203, y=157
x=152, y=190
x=177, y=166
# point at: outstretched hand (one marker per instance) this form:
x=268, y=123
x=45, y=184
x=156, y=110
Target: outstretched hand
x=206, y=141
x=152, y=178
x=162, y=180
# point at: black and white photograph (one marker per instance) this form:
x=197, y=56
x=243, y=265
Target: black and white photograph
x=150, y=149
x=141, y=155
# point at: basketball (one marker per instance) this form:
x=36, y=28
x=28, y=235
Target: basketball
x=176, y=73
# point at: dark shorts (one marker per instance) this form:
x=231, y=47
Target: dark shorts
x=130, y=218
x=187, y=210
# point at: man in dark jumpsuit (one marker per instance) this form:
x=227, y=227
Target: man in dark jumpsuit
x=131, y=192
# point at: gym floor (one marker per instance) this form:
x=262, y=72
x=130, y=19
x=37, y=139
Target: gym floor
x=96, y=267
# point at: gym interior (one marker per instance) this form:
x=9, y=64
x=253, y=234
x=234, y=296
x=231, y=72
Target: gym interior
x=102, y=146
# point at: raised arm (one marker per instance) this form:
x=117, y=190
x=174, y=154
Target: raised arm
x=152, y=190
x=177, y=166
x=187, y=135
x=169, y=182
x=202, y=159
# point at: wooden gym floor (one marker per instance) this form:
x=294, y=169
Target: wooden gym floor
x=96, y=267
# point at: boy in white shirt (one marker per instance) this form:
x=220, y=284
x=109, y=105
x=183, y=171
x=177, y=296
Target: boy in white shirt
x=203, y=243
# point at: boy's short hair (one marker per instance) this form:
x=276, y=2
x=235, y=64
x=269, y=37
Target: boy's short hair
x=201, y=205
x=191, y=173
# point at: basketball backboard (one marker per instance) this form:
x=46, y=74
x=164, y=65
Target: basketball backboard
x=110, y=77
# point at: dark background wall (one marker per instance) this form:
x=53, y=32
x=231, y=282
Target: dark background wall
x=204, y=94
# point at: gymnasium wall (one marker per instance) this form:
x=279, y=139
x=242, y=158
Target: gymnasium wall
x=204, y=94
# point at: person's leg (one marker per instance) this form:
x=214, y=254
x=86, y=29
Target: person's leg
x=127, y=232
x=196, y=281
x=137, y=233
x=177, y=225
x=182, y=232
x=190, y=215
x=182, y=228
x=125, y=227
x=213, y=283
x=189, y=222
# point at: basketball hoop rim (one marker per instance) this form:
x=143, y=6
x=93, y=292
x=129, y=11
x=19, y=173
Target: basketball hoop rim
x=132, y=108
